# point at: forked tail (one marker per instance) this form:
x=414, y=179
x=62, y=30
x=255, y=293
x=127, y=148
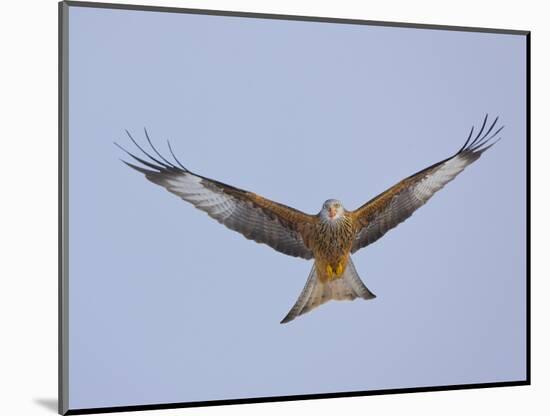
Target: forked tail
x=347, y=287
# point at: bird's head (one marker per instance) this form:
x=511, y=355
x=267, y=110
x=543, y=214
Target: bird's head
x=332, y=210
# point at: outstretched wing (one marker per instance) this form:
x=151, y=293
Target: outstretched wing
x=283, y=228
x=387, y=210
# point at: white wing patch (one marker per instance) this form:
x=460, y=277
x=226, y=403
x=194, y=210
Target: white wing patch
x=191, y=189
x=442, y=176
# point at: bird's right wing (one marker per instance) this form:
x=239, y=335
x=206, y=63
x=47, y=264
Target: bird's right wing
x=283, y=228
x=385, y=211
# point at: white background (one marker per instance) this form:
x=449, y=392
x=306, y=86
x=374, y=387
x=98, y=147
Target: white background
x=28, y=226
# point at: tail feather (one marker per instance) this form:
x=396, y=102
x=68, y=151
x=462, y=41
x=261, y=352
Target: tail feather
x=315, y=292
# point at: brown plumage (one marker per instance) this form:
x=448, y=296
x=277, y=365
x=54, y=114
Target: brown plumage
x=331, y=245
x=328, y=237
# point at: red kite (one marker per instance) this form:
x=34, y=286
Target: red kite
x=330, y=236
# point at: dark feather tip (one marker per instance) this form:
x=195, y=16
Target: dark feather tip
x=154, y=160
x=483, y=139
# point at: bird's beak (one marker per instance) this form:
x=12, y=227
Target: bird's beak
x=331, y=212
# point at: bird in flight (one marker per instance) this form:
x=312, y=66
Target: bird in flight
x=329, y=237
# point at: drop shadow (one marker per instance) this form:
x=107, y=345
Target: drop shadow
x=50, y=404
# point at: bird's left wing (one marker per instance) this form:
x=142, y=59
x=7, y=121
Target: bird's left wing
x=390, y=208
x=283, y=228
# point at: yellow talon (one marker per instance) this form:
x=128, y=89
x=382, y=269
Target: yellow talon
x=330, y=272
x=339, y=269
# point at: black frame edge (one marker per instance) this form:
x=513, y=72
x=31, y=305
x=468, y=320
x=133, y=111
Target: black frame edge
x=63, y=365
x=59, y=217
x=167, y=406
x=318, y=19
x=59, y=213
x=528, y=197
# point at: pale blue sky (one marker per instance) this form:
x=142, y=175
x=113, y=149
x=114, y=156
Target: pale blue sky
x=166, y=305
